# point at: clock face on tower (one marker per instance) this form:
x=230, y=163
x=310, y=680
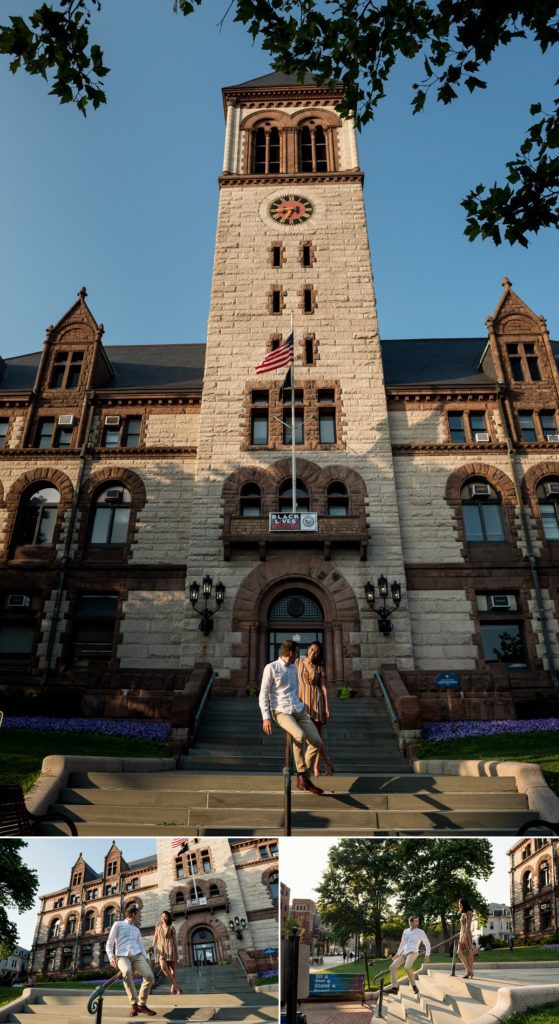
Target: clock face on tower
x=290, y=209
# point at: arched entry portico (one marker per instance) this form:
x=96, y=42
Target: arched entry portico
x=265, y=595
x=204, y=941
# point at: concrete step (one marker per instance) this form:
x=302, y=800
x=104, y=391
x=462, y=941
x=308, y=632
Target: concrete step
x=360, y=735
x=250, y=804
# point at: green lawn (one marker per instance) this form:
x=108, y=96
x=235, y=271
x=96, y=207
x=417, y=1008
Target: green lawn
x=22, y=750
x=543, y=1015
x=7, y=994
x=539, y=747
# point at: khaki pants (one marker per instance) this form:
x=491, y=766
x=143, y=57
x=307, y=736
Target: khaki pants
x=305, y=736
x=405, y=958
x=128, y=965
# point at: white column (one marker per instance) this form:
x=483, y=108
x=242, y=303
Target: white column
x=228, y=139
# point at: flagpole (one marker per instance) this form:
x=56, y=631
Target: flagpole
x=293, y=463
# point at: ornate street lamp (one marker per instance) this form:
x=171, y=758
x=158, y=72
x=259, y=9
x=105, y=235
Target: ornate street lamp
x=384, y=612
x=238, y=925
x=206, y=614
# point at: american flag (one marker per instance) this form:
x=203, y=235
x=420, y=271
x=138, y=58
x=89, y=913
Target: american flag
x=280, y=356
x=178, y=842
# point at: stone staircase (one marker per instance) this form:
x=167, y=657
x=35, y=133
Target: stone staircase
x=219, y=993
x=443, y=999
x=360, y=739
x=229, y=803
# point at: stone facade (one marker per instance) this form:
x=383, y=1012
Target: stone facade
x=207, y=885
x=534, y=873
x=161, y=465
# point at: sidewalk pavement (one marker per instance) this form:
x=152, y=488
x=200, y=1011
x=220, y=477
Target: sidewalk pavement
x=337, y=1013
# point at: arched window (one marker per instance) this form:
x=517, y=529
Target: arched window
x=89, y=921
x=250, y=501
x=214, y=889
x=109, y=918
x=111, y=516
x=312, y=148
x=273, y=882
x=481, y=509
x=527, y=883
x=266, y=149
x=337, y=500
x=37, y=515
x=71, y=925
x=545, y=877
x=179, y=898
x=54, y=932
x=547, y=494
x=285, y=496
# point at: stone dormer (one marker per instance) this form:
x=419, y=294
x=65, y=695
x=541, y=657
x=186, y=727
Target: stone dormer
x=519, y=344
x=73, y=358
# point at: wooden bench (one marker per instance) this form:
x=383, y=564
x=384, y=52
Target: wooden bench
x=16, y=820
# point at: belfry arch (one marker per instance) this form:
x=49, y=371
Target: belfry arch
x=313, y=581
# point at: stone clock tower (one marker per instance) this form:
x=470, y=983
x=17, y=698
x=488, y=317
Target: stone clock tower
x=292, y=243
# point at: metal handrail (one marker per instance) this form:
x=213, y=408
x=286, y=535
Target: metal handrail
x=287, y=773
x=382, y=974
x=95, y=1001
x=202, y=703
x=389, y=705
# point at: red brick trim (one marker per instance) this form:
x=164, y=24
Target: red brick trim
x=502, y=484
x=96, y=482
x=15, y=495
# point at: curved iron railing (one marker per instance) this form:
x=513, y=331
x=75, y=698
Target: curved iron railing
x=95, y=1001
x=382, y=974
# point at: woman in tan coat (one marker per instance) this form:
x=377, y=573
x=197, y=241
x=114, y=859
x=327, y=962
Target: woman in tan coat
x=166, y=950
x=465, y=939
x=314, y=695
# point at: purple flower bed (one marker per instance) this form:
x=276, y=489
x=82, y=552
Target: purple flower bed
x=136, y=729
x=457, y=730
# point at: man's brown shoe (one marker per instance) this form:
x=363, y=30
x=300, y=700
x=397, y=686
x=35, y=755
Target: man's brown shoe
x=134, y=1010
x=142, y=1008
x=306, y=786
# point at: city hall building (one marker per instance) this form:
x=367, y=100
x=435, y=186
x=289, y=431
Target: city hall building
x=534, y=882
x=222, y=894
x=130, y=473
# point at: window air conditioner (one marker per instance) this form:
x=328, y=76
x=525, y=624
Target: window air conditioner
x=18, y=601
x=66, y=421
x=481, y=435
x=552, y=437
x=114, y=494
x=499, y=601
x=551, y=488
x=480, y=490
x=112, y=421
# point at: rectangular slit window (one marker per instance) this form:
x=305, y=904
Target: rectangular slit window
x=309, y=351
x=276, y=300
x=307, y=256
x=308, y=306
x=259, y=426
x=276, y=255
x=456, y=427
x=527, y=426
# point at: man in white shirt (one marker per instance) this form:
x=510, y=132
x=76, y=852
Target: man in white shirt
x=126, y=950
x=412, y=938
x=279, y=700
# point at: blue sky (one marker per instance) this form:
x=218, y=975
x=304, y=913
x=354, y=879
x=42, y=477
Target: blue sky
x=125, y=201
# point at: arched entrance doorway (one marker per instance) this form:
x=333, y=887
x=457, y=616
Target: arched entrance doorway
x=295, y=614
x=203, y=947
